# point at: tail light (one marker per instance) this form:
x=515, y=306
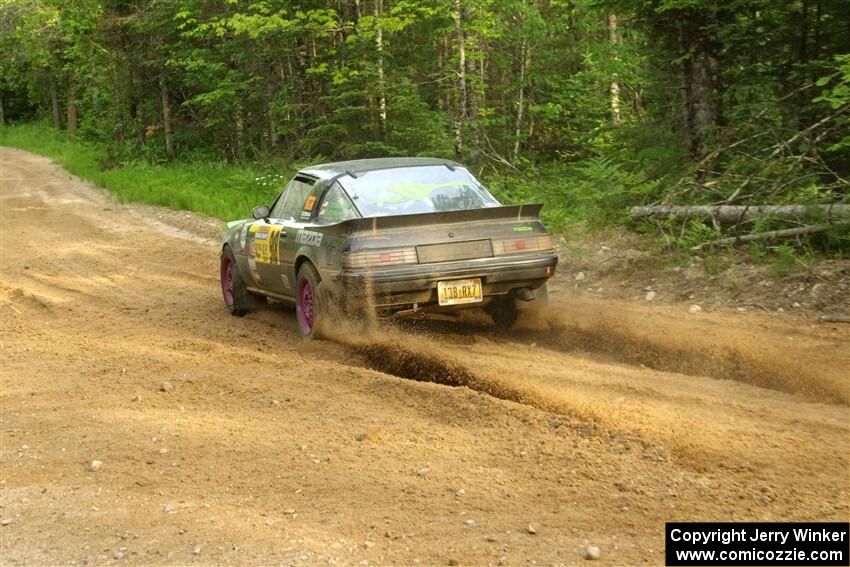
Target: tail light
x=377, y=258
x=504, y=246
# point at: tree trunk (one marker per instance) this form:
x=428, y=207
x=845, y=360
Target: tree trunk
x=733, y=214
x=699, y=73
x=136, y=106
x=473, y=93
x=772, y=235
x=2, y=112
x=523, y=64
x=460, y=102
x=815, y=53
x=803, y=34
x=166, y=116
x=379, y=47
x=274, y=137
x=71, y=109
x=445, y=97
x=482, y=76
x=117, y=109
x=239, y=123
x=54, y=104
x=615, y=85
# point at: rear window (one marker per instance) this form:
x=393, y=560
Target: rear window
x=335, y=207
x=411, y=190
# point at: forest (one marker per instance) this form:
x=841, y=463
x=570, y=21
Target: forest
x=590, y=106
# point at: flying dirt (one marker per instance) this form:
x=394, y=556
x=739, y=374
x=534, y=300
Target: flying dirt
x=225, y=440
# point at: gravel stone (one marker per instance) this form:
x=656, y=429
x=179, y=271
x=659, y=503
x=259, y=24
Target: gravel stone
x=591, y=552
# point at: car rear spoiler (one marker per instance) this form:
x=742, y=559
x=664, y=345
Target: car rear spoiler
x=519, y=213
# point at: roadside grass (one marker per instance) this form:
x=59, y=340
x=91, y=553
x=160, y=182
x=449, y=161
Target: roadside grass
x=229, y=191
x=217, y=189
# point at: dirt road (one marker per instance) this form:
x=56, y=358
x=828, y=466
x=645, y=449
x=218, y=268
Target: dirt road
x=592, y=426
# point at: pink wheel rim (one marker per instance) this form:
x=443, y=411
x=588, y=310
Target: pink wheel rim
x=305, y=307
x=227, y=280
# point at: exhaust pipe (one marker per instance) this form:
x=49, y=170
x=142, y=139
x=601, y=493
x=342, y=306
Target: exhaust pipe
x=524, y=293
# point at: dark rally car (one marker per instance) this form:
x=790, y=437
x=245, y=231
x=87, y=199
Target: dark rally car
x=393, y=235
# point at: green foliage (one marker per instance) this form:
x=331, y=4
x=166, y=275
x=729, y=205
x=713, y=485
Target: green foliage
x=836, y=93
x=588, y=107
x=685, y=235
x=786, y=260
x=597, y=191
x=606, y=190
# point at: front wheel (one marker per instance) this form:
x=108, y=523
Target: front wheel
x=237, y=298
x=309, y=306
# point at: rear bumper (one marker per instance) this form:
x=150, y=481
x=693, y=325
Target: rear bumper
x=405, y=285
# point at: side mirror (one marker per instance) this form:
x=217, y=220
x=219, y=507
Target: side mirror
x=261, y=212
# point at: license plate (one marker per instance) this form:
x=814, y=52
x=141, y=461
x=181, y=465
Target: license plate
x=457, y=292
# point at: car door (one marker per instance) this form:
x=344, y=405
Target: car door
x=269, y=239
x=255, y=234
x=301, y=211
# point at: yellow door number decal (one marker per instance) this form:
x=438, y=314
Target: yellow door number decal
x=266, y=239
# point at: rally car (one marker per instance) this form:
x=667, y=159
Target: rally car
x=391, y=235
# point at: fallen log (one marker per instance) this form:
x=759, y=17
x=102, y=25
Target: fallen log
x=734, y=214
x=772, y=234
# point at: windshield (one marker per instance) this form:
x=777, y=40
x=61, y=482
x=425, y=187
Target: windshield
x=411, y=190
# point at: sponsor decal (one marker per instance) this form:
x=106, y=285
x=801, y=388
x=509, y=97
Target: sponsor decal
x=525, y=228
x=308, y=205
x=305, y=215
x=309, y=238
x=265, y=246
x=285, y=281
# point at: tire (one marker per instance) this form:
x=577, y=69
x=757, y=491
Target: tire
x=504, y=312
x=237, y=298
x=311, y=301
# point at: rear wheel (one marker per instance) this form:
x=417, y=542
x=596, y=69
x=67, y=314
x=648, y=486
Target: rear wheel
x=237, y=298
x=309, y=303
x=503, y=311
